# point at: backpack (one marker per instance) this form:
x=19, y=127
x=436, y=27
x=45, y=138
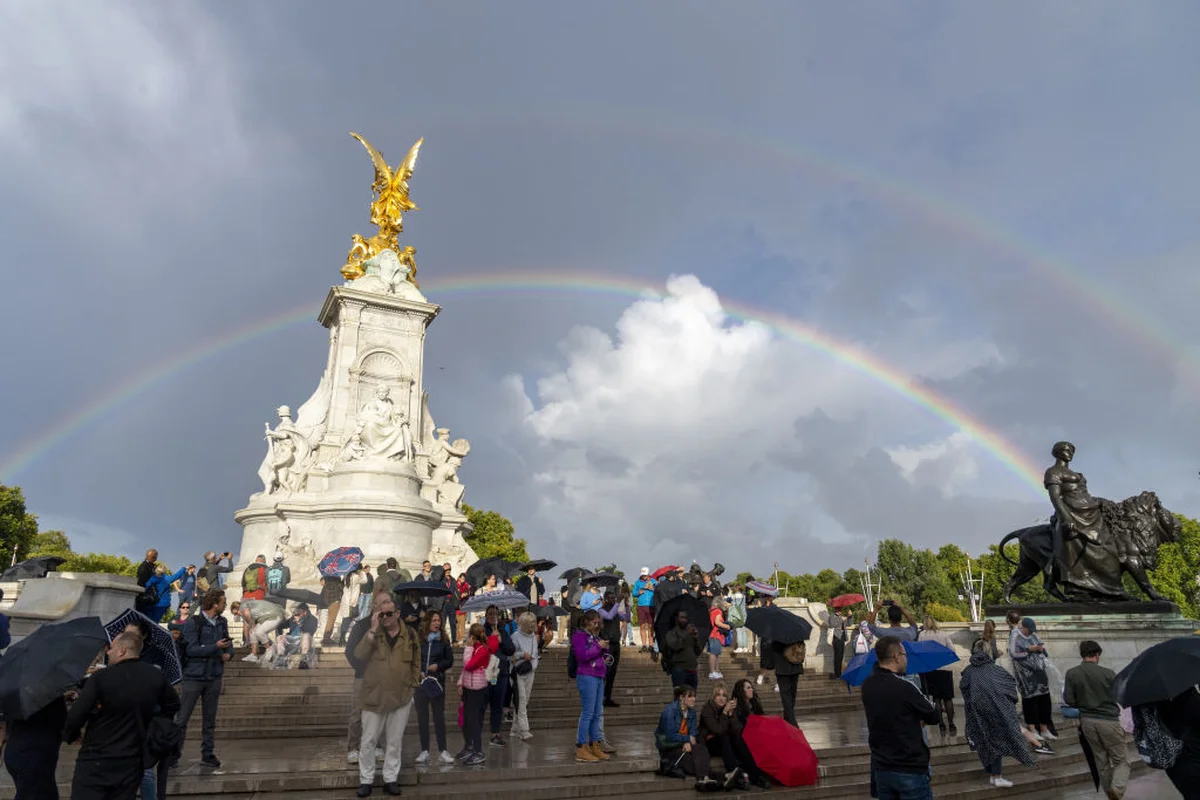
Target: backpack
x=275, y=578
x=164, y=739
x=250, y=578
x=1157, y=746
x=149, y=597
x=795, y=653
x=737, y=614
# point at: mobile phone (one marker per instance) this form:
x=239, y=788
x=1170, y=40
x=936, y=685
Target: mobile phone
x=889, y=602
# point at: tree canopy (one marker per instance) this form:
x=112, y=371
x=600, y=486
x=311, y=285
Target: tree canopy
x=56, y=543
x=17, y=525
x=494, y=535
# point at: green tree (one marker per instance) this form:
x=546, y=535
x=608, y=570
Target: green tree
x=17, y=525
x=914, y=577
x=50, y=543
x=611, y=568
x=1175, y=577
x=741, y=578
x=996, y=572
x=56, y=543
x=494, y=536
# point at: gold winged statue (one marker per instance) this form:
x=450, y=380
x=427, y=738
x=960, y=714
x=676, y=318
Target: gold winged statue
x=391, y=201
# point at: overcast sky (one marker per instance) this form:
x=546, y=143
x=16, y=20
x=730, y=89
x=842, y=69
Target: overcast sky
x=994, y=200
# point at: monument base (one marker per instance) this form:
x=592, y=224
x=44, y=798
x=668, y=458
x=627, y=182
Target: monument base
x=1038, y=610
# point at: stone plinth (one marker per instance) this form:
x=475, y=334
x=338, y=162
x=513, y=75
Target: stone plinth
x=62, y=596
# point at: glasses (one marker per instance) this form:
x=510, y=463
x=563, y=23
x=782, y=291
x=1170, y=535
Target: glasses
x=386, y=614
x=184, y=607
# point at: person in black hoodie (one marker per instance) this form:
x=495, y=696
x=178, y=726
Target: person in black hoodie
x=498, y=692
x=437, y=657
x=31, y=751
x=116, y=704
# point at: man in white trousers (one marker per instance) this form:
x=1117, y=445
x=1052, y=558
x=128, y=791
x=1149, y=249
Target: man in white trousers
x=393, y=668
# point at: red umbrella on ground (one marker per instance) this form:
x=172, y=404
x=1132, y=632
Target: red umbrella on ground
x=843, y=600
x=780, y=750
x=658, y=573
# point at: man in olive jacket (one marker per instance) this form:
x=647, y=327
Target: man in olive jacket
x=393, y=669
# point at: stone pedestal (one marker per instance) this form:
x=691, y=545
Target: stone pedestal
x=61, y=596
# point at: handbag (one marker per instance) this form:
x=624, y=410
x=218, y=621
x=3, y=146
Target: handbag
x=430, y=687
x=522, y=668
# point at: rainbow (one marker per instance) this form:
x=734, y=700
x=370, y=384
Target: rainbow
x=950, y=217
x=524, y=281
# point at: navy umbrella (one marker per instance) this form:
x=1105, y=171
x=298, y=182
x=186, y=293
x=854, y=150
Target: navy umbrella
x=46, y=663
x=159, y=648
x=1162, y=672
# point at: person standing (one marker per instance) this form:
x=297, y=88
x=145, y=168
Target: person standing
x=212, y=570
x=681, y=651
x=437, y=657
x=524, y=666
x=610, y=631
x=451, y=602
x=254, y=579
x=839, y=626
x=787, y=675
x=989, y=705
x=498, y=691
x=278, y=575
x=895, y=712
x=589, y=650
x=1088, y=687
x=1028, y=655
x=939, y=684
x=208, y=649
x=332, y=589
x=532, y=587
x=393, y=659
x=643, y=596
x=116, y=705
x=31, y=751
x=187, y=588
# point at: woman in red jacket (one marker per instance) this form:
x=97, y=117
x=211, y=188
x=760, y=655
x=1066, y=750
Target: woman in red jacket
x=473, y=689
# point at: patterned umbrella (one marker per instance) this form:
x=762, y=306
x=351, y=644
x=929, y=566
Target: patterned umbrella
x=340, y=562
x=761, y=587
x=159, y=649
x=503, y=599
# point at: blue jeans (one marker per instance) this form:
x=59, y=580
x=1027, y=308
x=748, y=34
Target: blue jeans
x=591, y=701
x=743, y=640
x=149, y=784
x=901, y=785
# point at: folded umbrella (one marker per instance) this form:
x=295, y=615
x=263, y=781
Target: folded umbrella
x=600, y=578
x=159, y=648
x=423, y=588
x=298, y=595
x=31, y=568
x=922, y=657
x=843, y=600
x=778, y=625
x=781, y=750
x=539, y=565
x=340, y=562
x=1159, y=673
x=46, y=663
x=502, y=599
x=762, y=587
x=661, y=571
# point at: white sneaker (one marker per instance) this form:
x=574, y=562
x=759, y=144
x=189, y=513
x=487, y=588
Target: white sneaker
x=1050, y=736
x=423, y=757
x=759, y=680
x=352, y=757
x=714, y=676
x=446, y=758
x=251, y=658
x=720, y=675
x=775, y=688
x=1001, y=783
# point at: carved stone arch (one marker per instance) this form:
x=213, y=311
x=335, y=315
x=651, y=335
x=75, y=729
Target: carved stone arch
x=381, y=366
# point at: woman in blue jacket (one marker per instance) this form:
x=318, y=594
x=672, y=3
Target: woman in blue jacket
x=161, y=583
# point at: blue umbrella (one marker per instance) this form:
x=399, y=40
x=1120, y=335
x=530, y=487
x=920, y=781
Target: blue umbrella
x=922, y=657
x=340, y=562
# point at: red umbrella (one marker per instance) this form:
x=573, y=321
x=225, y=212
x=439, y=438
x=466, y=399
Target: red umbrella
x=843, y=600
x=780, y=750
x=658, y=573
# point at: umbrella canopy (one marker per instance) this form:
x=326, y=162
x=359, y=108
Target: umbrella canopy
x=340, y=562
x=922, y=657
x=600, y=578
x=437, y=573
x=539, y=564
x=1161, y=672
x=546, y=612
x=661, y=571
x=503, y=599
x=30, y=568
x=477, y=573
x=159, y=648
x=762, y=587
x=46, y=663
x=697, y=612
x=780, y=750
x=778, y=625
x=843, y=600
x=573, y=573
x=423, y=588
x=299, y=596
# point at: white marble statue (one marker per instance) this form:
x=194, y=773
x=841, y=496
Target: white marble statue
x=383, y=428
x=288, y=454
x=387, y=273
x=445, y=457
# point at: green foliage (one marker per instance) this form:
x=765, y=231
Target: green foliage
x=914, y=577
x=997, y=571
x=17, y=526
x=494, y=536
x=943, y=613
x=610, y=568
x=741, y=578
x=1175, y=577
x=56, y=543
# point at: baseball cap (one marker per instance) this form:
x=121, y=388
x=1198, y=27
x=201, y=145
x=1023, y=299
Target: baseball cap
x=645, y=570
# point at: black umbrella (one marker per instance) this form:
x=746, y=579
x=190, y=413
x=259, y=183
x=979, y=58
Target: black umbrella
x=573, y=573
x=159, y=648
x=772, y=622
x=1159, y=673
x=539, y=565
x=477, y=573
x=35, y=567
x=46, y=663
x=546, y=612
x=423, y=588
x=299, y=596
x=600, y=578
x=437, y=573
x=697, y=613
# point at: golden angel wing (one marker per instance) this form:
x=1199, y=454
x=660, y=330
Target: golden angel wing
x=410, y=161
x=382, y=172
